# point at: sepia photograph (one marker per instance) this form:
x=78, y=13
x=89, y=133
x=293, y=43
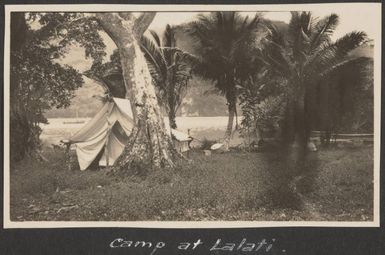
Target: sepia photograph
x=207, y=115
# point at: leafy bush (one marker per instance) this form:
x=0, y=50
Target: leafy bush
x=263, y=118
x=269, y=113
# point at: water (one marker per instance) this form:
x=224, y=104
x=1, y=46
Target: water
x=212, y=128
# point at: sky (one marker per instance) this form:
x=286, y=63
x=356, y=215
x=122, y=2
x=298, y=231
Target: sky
x=352, y=20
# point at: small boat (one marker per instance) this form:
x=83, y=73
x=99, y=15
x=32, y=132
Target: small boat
x=74, y=122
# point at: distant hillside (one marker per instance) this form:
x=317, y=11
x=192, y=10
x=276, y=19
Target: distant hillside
x=196, y=103
x=84, y=104
x=199, y=101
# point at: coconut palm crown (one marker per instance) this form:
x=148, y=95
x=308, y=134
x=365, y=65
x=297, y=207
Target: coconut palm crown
x=303, y=55
x=168, y=69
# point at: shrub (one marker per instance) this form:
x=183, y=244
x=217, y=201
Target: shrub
x=262, y=119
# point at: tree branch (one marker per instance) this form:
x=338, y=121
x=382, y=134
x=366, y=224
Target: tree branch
x=99, y=80
x=143, y=22
x=126, y=15
x=112, y=25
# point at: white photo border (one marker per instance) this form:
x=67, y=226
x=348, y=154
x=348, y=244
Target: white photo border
x=374, y=8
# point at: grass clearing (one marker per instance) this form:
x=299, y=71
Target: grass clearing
x=231, y=186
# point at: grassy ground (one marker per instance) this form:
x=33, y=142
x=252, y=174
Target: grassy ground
x=337, y=185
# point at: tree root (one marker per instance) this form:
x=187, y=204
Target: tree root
x=146, y=151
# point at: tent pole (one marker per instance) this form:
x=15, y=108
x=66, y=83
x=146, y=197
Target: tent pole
x=106, y=151
x=68, y=156
x=107, y=141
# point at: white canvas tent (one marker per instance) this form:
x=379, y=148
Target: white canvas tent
x=107, y=133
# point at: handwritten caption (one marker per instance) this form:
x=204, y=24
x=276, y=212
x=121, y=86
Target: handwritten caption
x=260, y=246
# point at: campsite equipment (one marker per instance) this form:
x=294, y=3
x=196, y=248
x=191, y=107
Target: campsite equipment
x=216, y=146
x=311, y=146
x=207, y=152
x=104, y=137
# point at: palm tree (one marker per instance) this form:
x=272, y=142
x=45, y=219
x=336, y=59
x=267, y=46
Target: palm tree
x=304, y=55
x=169, y=69
x=222, y=42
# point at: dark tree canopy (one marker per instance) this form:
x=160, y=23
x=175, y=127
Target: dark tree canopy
x=304, y=55
x=345, y=99
x=38, y=82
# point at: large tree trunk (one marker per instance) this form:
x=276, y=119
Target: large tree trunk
x=171, y=104
x=172, y=117
x=296, y=129
x=230, y=124
x=149, y=144
x=300, y=130
x=324, y=114
x=231, y=98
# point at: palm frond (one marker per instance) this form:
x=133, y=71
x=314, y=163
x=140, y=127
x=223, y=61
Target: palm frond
x=169, y=41
x=300, y=27
x=330, y=56
x=156, y=38
x=154, y=56
x=349, y=42
x=274, y=51
x=351, y=63
x=169, y=37
x=323, y=30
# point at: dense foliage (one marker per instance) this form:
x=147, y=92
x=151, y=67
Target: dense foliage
x=304, y=55
x=345, y=99
x=261, y=100
x=37, y=81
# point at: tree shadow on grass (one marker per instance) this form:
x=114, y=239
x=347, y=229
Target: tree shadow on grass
x=290, y=178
